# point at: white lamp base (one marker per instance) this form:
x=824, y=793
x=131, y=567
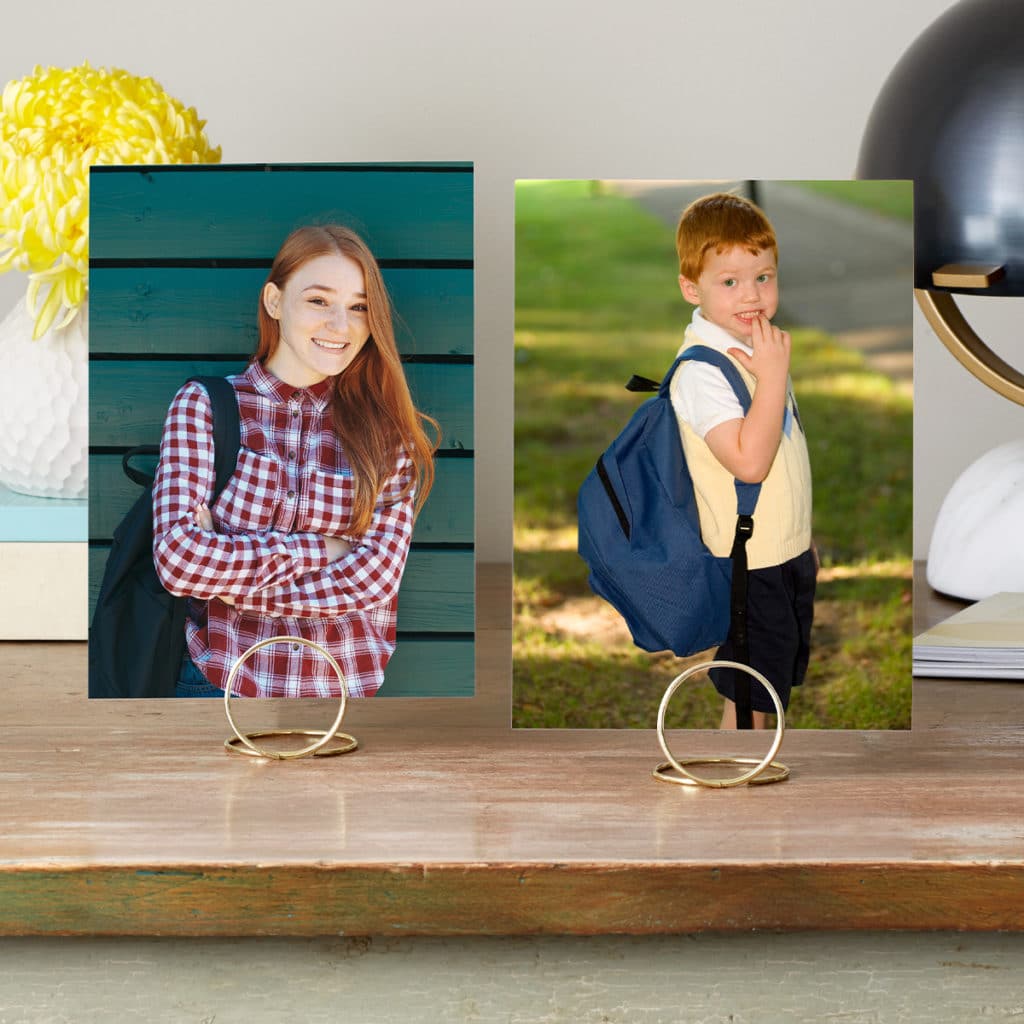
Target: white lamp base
x=977, y=546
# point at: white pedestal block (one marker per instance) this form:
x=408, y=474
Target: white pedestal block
x=44, y=592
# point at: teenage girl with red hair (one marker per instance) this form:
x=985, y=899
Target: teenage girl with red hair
x=310, y=536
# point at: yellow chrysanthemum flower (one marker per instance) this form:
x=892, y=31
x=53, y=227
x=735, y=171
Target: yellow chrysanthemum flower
x=54, y=125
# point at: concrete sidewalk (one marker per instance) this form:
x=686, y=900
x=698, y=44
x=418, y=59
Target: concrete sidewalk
x=841, y=268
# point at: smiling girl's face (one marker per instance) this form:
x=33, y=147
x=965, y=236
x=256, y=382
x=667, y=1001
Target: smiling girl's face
x=323, y=320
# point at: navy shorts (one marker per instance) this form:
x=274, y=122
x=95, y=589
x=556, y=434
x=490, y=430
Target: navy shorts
x=780, y=610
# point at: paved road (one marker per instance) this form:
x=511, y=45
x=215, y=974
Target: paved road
x=846, y=270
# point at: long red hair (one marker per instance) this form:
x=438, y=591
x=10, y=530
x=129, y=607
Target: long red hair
x=371, y=409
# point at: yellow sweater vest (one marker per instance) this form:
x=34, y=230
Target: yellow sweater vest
x=782, y=519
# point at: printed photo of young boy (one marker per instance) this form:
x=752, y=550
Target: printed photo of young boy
x=804, y=288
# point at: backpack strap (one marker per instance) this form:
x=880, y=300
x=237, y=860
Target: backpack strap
x=227, y=437
x=746, y=500
x=705, y=354
x=227, y=430
x=738, y=619
x=746, y=494
x=138, y=476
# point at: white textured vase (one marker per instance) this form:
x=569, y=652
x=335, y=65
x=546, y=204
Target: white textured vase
x=977, y=546
x=44, y=406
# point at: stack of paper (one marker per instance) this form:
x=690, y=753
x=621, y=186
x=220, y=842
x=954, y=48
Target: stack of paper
x=984, y=641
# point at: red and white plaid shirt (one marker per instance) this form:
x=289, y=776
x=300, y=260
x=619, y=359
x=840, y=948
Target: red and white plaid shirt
x=292, y=485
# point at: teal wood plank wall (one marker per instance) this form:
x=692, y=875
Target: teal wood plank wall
x=178, y=256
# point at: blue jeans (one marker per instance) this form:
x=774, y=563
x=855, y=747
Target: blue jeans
x=192, y=682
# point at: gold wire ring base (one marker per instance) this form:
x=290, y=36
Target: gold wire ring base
x=775, y=771
x=324, y=737
x=347, y=743
x=688, y=777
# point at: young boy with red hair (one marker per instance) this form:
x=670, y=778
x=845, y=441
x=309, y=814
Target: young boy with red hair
x=728, y=269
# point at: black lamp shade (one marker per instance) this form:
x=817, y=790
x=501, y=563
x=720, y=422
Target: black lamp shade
x=951, y=117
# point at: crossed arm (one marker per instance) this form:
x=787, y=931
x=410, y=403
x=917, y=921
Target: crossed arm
x=365, y=572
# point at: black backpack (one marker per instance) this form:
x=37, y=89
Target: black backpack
x=137, y=637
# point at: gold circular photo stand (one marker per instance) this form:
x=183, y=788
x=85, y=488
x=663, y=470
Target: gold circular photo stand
x=242, y=743
x=763, y=772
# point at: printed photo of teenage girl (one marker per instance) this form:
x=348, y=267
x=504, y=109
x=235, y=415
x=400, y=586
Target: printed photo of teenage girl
x=326, y=495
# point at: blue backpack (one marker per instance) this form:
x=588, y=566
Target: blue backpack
x=639, y=531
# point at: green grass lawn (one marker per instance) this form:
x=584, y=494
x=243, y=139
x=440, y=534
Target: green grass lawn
x=596, y=301
x=891, y=198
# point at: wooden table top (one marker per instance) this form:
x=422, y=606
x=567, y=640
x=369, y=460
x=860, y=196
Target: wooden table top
x=130, y=818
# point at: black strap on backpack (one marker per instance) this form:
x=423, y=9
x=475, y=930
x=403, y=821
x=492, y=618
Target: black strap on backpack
x=227, y=430
x=137, y=637
x=738, y=622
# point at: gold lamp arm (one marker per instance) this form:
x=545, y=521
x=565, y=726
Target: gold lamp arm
x=959, y=337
